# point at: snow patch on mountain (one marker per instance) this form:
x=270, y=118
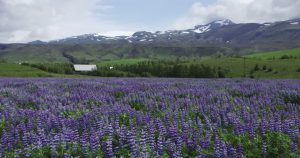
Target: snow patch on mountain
x=223, y=22
x=202, y=29
x=294, y=23
x=96, y=34
x=185, y=32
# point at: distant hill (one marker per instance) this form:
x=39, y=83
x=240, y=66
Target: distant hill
x=221, y=37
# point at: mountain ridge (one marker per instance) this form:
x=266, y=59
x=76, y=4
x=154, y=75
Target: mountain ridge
x=163, y=36
x=139, y=36
x=220, y=37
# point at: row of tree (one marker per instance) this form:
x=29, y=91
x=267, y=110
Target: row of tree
x=58, y=68
x=156, y=68
x=161, y=69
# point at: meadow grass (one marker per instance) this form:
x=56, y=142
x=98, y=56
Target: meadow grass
x=16, y=70
x=121, y=61
x=277, y=68
x=275, y=54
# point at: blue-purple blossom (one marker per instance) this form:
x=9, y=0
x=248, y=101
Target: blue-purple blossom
x=110, y=117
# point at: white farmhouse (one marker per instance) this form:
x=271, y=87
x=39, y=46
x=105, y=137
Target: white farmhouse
x=85, y=68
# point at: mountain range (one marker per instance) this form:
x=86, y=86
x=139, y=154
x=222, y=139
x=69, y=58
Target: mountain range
x=220, y=37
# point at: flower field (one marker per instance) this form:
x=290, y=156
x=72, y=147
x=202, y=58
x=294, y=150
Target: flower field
x=112, y=117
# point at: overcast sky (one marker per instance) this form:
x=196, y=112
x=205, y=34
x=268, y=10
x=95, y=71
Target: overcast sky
x=28, y=20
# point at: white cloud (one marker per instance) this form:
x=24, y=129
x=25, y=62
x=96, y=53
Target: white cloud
x=27, y=20
x=240, y=11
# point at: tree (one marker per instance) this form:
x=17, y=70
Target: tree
x=270, y=69
x=221, y=73
x=256, y=67
x=264, y=68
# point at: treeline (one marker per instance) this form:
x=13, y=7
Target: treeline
x=161, y=69
x=58, y=68
x=157, y=68
x=289, y=57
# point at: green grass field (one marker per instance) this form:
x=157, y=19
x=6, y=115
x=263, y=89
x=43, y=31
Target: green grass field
x=121, y=61
x=275, y=67
x=276, y=54
x=281, y=68
x=16, y=70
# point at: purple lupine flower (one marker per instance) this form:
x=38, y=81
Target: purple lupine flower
x=171, y=148
x=224, y=150
x=179, y=145
x=240, y=150
x=220, y=104
x=232, y=153
x=173, y=133
x=217, y=148
x=132, y=143
x=85, y=144
x=159, y=145
x=151, y=136
x=30, y=125
x=122, y=135
x=4, y=142
x=94, y=143
x=251, y=131
x=263, y=127
x=199, y=151
x=109, y=147
x=143, y=142
x=205, y=142
x=66, y=155
x=294, y=146
x=54, y=144
x=26, y=139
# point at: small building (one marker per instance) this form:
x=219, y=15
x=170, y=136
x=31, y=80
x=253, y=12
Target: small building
x=85, y=68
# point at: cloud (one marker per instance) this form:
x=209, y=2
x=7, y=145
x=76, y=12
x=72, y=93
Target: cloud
x=26, y=20
x=239, y=11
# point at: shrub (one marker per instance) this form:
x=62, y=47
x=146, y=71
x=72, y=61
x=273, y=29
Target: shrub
x=285, y=57
x=256, y=67
x=269, y=69
x=2, y=61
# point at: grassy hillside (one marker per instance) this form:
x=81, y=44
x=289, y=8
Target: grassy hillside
x=94, y=53
x=281, y=68
x=276, y=54
x=16, y=70
x=121, y=61
x=235, y=67
x=269, y=64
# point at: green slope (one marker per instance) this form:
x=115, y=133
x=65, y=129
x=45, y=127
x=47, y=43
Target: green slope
x=275, y=54
x=16, y=70
x=103, y=56
x=281, y=68
x=121, y=61
x=94, y=53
